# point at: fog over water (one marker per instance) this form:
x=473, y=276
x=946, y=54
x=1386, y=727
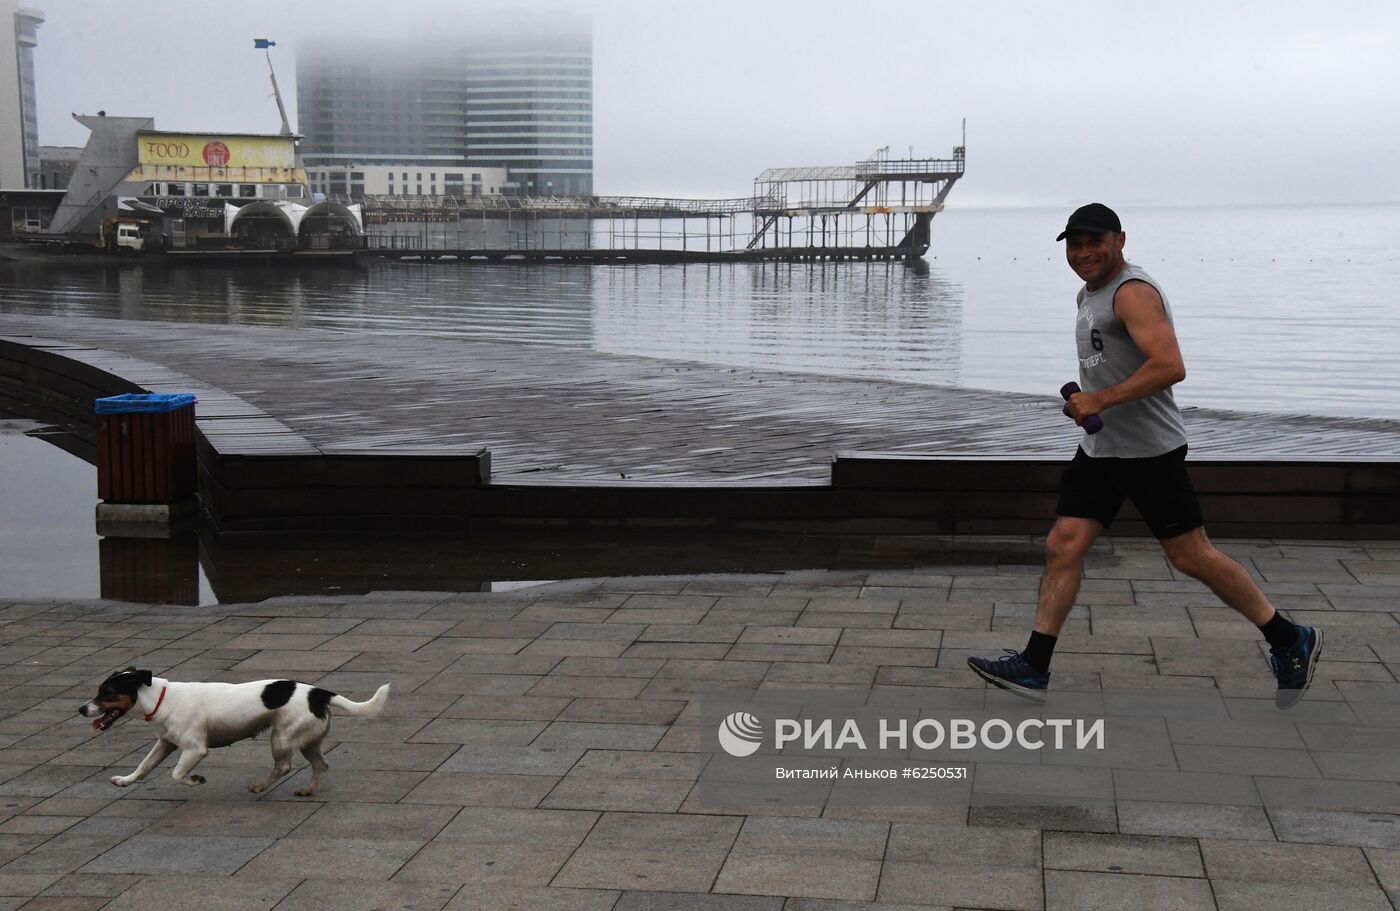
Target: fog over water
x=1190, y=103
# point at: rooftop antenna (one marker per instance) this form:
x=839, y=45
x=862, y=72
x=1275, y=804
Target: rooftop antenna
x=265, y=45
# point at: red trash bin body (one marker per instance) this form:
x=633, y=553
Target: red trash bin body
x=145, y=456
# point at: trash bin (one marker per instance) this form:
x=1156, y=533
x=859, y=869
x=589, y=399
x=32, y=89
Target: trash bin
x=145, y=448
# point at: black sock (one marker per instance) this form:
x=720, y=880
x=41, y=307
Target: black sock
x=1281, y=633
x=1040, y=650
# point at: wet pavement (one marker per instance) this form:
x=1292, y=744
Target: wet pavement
x=550, y=747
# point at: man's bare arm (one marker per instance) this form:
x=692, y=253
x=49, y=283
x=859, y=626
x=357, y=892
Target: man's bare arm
x=1140, y=308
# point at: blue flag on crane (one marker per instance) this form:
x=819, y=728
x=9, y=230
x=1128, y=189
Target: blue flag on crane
x=263, y=43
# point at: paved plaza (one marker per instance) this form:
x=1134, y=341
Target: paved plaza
x=543, y=750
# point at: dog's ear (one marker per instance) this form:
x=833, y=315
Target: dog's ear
x=128, y=670
x=144, y=677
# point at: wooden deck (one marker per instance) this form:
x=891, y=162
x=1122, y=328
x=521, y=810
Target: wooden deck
x=554, y=417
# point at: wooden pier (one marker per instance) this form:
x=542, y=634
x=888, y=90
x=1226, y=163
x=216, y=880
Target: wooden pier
x=308, y=428
x=877, y=209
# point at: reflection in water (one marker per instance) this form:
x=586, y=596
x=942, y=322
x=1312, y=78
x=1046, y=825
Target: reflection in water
x=875, y=320
x=881, y=320
x=151, y=570
x=49, y=549
x=1258, y=294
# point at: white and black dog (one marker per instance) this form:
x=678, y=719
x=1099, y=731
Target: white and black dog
x=195, y=717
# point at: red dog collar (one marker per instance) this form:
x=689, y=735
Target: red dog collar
x=158, y=702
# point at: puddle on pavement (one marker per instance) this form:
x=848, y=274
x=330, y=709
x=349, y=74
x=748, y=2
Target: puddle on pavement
x=49, y=548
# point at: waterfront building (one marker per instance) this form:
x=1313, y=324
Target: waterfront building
x=356, y=181
x=517, y=97
x=19, y=123
x=186, y=186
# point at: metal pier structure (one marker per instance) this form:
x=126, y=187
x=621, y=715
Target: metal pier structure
x=877, y=209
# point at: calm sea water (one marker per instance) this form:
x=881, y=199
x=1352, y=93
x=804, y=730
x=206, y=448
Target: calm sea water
x=1278, y=309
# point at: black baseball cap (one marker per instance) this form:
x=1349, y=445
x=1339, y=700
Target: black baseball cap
x=1095, y=218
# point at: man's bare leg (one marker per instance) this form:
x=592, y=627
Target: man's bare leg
x=1027, y=673
x=1193, y=554
x=1069, y=540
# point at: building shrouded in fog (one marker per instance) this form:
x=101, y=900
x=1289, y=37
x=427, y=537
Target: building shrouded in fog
x=19, y=122
x=520, y=99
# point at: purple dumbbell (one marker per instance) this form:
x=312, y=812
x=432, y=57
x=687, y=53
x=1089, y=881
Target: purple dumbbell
x=1093, y=423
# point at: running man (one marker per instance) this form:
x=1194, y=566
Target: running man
x=1128, y=361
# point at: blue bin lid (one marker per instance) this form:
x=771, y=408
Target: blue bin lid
x=144, y=402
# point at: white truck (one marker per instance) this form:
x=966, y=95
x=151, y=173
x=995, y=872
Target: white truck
x=128, y=238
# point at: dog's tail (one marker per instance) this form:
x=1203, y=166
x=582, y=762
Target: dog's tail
x=369, y=708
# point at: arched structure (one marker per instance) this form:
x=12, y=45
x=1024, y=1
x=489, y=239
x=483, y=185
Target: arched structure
x=262, y=221
x=329, y=224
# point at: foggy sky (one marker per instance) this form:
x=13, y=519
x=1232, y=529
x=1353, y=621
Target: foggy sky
x=1136, y=103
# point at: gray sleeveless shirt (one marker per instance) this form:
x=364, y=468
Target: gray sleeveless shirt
x=1108, y=356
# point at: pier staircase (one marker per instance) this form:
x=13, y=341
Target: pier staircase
x=835, y=211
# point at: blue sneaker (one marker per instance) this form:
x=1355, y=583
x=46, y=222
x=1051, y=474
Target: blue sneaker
x=1294, y=666
x=1014, y=674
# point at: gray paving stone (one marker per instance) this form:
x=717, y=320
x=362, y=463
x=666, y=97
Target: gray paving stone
x=1232, y=760
x=619, y=794
x=398, y=757
x=593, y=736
x=1386, y=864
x=1185, y=787
x=516, y=760
x=1194, y=820
x=474, y=789
x=1286, y=863
x=92, y=885
x=326, y=894
x=753, y=873
x=1080, y=816
x=1079, y=891
x=591, y=687
x=475, y=862
x=489, y=825
x=714, y=633
x=251, y=819
x=178, y=854
x=707, y=651
x=1256, y=896
x=202, y=893
x=683, y=901
x=619, y=711
x=824, y=838
x=823, y=904
x=582, y=648
x=653, y=868
x=967, y=887
x=342, y=858
x=1363, y=830
x=1150, y=855
x=637, y=764
x=502, y=664
x=393, y=821
x=817, y=654
x=360, y=785
x=1364, y=796
x=963, y=846
x=490, y=897
x=481, y=732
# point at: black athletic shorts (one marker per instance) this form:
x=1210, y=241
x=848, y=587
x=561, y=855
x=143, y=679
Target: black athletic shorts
x=1158, y=486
